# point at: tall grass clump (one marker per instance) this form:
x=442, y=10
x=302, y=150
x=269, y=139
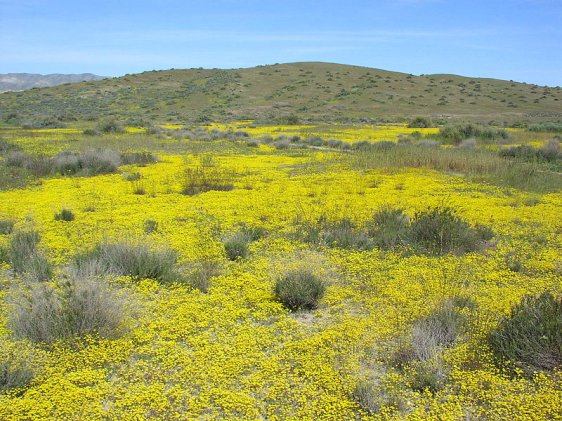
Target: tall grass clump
x=127, y=259
x=203, y=179
x=333, y=233
x=530, y=338
x=47, y=312
x=389, y=227
x=237, y=244
x=299, y=289
x=26, y=258
x=438, y=330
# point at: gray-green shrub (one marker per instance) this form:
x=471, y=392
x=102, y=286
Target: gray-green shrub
x=127, y=259
x=530, y=338
x=25, y=257
x=47, y=313
x=299, y=289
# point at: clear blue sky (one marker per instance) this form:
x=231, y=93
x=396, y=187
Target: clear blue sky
x=511, y=39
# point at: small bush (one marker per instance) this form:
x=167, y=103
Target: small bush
x=203, y=179
x=389, y=227
x=138, y=158
x=436, y=331
x=6, y=147
x=111, y=126
x=150, y=226
x=299, y=289
x=440, y=230
x=201, y=274
x=46, y=313
x=16, y=369
x=100, y=161
x=456, y=133
x=91, y=132
x=421, y=123
x=6, y=226
x=236, y=246
x=64, y=215
x=25, y=257
x=127, y=259
x=428, y=375
x=530, y=338
x=340, y=233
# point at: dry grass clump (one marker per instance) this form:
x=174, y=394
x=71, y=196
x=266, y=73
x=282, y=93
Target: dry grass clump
x=48, y=312
x=127, y=259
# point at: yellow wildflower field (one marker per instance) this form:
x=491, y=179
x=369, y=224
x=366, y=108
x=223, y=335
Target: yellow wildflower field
x=235, y=352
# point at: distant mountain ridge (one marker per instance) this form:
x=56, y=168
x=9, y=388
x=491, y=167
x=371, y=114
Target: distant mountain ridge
x=23, y=81
x=309, y=91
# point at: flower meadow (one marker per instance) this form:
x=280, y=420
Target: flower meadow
x=208, y=338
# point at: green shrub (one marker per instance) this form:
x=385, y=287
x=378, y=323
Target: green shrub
x=440, y=230
x=150, y=226
x=456, y=133
x=299, y=289
x=546, y=127
x=127, y=259
x=530, y=338
x=138, y=158
x=91, y=132
x=47, y=313
x=6, y=226
x=389, y=227
x=64, y=215
x=421, y=122
x=110, y=126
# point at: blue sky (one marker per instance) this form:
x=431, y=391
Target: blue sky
x=512, y=39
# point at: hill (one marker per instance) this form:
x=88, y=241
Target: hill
x=23, y=81
x=310, y=91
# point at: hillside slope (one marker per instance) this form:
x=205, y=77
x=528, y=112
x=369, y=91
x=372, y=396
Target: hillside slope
x=23, y=81
x=312, y=91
